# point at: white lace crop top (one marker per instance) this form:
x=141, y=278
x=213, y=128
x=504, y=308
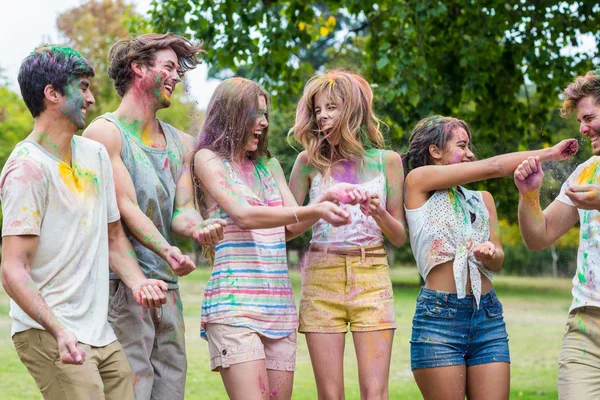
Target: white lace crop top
x=448, y=226
x=362, y=230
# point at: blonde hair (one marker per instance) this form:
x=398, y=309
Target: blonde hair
x=582, y=86
x=356, y=126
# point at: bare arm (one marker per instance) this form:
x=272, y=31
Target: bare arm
x=17, y=255
x=391, y=219
x=540, y=228
x=187, y=221
x=209, y=168
x=421, y=181
x=140, y=226
x=491, y=253
x=147, y=292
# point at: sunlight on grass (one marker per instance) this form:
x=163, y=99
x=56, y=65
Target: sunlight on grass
x=535, y=310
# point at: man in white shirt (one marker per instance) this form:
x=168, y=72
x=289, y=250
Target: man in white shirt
x=60, y=221
x=579, y=199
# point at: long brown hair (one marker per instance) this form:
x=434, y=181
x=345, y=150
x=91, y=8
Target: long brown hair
x=230, y=117
x=356, y=126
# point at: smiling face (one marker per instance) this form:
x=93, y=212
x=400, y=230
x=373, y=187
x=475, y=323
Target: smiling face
x=162, y=77
x=326, y=113
x=588, y=116
x=261, y=123
x=76, y=100
x=457, y=149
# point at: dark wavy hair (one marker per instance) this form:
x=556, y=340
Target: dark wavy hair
x=435, y=130
x=142, y=49
x=49, y=65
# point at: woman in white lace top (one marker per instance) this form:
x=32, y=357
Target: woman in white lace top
x=459, y=344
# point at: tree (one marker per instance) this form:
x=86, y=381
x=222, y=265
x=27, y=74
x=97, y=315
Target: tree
x=91, y=29
x=462, y=58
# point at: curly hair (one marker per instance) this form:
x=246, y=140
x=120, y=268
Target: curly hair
x=582, y=86
x=142, y=49
x=357, y=125
x=435, y=130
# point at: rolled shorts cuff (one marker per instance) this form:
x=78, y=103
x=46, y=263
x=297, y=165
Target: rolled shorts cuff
x=228, y=359
x=322, y=329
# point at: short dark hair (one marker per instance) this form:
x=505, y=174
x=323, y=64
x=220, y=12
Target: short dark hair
x=49, y=65
x=143, y=49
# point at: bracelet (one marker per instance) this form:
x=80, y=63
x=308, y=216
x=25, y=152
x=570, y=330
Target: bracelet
x=296, y=215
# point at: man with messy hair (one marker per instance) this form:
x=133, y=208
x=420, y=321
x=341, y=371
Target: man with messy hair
x=578, y=200
x=60, y=231
x=150, y=161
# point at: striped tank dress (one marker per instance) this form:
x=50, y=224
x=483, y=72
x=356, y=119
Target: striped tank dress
x=250, y=285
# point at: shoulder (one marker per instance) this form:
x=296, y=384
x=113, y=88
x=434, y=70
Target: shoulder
x=391, y=157
x=302, y=165
x=25, y=165
x=105, y=132
x=272, y=165
x=204, y=156
x=188, y=141
x=488, y=199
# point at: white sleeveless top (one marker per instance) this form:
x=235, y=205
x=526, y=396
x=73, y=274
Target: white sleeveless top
x=362, y=230
x=448, y=226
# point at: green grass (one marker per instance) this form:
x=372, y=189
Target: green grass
x=535, y=310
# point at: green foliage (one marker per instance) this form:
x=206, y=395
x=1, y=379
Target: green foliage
x=498, y=65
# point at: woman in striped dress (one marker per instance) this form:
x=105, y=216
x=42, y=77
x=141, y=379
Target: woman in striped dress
x=248, y=312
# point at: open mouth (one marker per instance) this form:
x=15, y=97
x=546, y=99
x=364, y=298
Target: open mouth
x=83, y=111
x=169, y=88
x=594, y=137
x=257, y=134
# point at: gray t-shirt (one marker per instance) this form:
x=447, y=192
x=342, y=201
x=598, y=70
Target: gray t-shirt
x=155, y=173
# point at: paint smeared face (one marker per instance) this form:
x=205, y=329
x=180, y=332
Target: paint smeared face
x=76, y=101
x=457, y=148
x=326, y=112
x=260, y=124
x=162, y=77
x=588, y=116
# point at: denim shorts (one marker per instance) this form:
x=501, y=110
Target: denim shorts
x=451, y=331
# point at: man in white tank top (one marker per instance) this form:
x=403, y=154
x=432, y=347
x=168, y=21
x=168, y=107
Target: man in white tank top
x=579, y=199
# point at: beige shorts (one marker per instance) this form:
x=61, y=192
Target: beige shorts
x=579, y=364
x=229, y=345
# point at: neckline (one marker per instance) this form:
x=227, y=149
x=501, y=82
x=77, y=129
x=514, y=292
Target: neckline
x=52, y=156
x=242, y=182
x=355, y=184
x=139, y=141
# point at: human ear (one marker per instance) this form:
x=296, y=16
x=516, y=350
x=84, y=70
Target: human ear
x=51, y=94
x=138, y=68
x=435, y=152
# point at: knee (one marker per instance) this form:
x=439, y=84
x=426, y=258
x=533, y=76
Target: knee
x=331, y=393
x=374, y=391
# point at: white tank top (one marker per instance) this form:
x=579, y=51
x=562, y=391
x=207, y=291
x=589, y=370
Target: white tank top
x=448, y=226
x=363, y=230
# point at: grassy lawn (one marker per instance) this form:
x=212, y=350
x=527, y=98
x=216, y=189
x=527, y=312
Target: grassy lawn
x=535, y=310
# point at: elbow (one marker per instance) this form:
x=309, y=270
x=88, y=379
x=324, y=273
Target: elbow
x=243, y=221
x=534, y=246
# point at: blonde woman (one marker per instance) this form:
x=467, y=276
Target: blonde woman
x=346, y=279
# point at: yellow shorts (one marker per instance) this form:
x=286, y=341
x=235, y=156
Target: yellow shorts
x=349, y=285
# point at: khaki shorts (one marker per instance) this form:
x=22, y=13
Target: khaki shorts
x=229, y=345
x=579, y=364
x=105, y=373
x=349, y=286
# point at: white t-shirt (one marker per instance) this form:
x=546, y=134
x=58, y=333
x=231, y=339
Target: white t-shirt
x=586, y=282
x=69, y=208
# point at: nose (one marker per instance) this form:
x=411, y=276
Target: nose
x=264, y=122
x=90, y=98
x=470, y=155
x=583, y=128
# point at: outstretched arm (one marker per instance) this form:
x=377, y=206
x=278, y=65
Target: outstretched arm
x=140, y=226
x=429, y=178
x=540, y=228
x=17, y=255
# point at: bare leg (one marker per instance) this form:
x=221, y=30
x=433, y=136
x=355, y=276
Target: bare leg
x=280, y=384
x=442, y=383
x=246, y=381
x=374, y=352
x=488, y=381
x=327, y=357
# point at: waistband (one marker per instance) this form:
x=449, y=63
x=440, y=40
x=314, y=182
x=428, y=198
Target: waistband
x=375, y=250
x=451, y=299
